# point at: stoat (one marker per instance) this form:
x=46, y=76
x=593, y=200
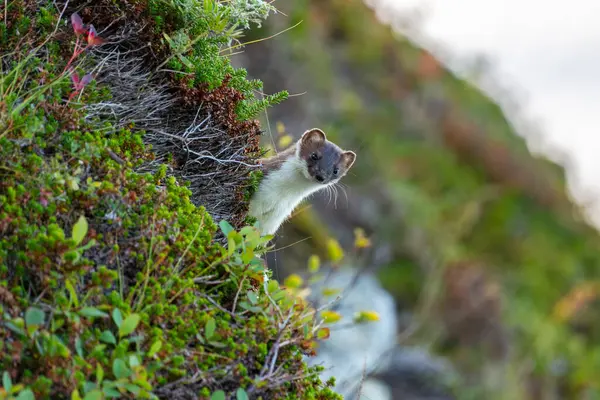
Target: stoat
x=309, y=165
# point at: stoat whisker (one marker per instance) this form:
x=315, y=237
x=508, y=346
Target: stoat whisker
x=343, y=188
x=335, y=195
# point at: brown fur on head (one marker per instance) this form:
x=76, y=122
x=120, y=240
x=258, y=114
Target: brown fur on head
x=325, y=161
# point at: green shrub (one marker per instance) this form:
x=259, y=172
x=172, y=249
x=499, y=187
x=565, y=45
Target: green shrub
x=112, y=284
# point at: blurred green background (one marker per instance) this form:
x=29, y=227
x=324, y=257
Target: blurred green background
x=473, y=235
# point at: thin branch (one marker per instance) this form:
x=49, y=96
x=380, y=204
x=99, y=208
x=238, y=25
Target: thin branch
x=237, y=295
x=214, y=303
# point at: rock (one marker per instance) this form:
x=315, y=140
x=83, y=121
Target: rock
x=375, y=389
x=414, y=374
x=353, y=352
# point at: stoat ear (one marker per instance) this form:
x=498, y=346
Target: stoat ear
x=313, y=137
x=348, y=158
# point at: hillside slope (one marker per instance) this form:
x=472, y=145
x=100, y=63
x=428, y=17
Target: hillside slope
x=125, y=137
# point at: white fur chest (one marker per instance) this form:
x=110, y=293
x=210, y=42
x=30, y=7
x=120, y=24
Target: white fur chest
x=279, y=193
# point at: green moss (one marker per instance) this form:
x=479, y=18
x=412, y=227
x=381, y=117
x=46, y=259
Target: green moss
x=253, y=182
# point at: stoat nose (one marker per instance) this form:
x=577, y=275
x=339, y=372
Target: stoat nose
x=319, y=178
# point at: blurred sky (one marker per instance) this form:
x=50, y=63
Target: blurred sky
x=547, y=51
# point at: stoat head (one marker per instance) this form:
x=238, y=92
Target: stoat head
x=325, y=162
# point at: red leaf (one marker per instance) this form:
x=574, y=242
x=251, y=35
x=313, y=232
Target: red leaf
x=80, y=84
x=77, y=23
x=87, y=78
x=92, y=37
x=323, y=333
x=92, y=32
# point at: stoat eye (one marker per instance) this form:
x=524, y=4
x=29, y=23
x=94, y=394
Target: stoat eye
x=335, y=170
x=314, y=156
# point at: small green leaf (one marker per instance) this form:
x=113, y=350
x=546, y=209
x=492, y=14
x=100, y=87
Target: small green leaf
x=89, y=244
x=293, y=281
x=120, y=369
x=185, y=61
x=252, y=297
x=334, y=250
x=327, y=292
x=225, y=227
x=247, y=230
x=366, y=316
x=218, y=395
x=34, y=316
x=172, y=44
x=279, y=295
x=60, y=347
x=111, y=393
x=26, y=394
x=314, y=263
x=266, y=239
x=247, y=306
x=88, y=386
x=218, y=345
x=209, y=329
x=323, y=333
x=72, y=293
x=230, y=246
x=6, y=381
x=92, y=312
x=257, y=266
x=136, y=339
x=330, y=317
x=79, y=230
x=134, y=361
x=99, y=373
x=253, y=239
x=244, y=304
x=79, y=347
x=252, y=236
x=247, y=255
x=129, y=325
x=108, y=337
x=94, y=395
x=72, y=183
x=239, y=239
x=117, y=317
x=133, y=388
x=98, y=349
x=241, y=394
x=272, y=286
x=74, y=255
x=156, y=346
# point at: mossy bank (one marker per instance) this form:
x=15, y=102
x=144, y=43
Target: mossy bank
x=126, y=138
